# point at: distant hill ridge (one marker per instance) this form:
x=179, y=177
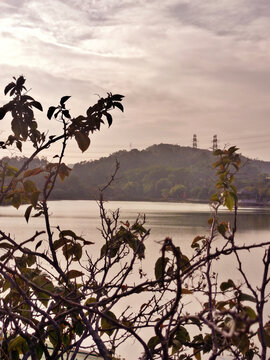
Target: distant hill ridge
x=162, y=172
x=159, y=172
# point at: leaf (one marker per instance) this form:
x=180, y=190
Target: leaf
x=63, y=171
x=43, y=283
x=160, y=267
x=34, y=200
x=153, y=341
x=106, y=324
x=38, y=245
x=196, y=240
x=241, y=341
x=19, y=145
x=59, y=243
x=186, y=291
x=19, y=344
x=77, y=252
x=251, y=313
x=227, y=285
x=229, y=200
x=31, y=260
x=53, y=335
x=182, y=335
x=66, y=114
x=29, y=186
x=117, y=97
x=32, y=172
x=70, y=233
x=82, y=140
x=74, y=273
x=64, y=99
x=246, y=297
x=9, y=87
x=3, y=112
x=79, y=327
x=50, y=112
x=109, y=118
x=37, y=105
x=118, y=105
x=16, y=200
x=185, y=264
x=28, y=212
x=6, y=246
x=223, y=228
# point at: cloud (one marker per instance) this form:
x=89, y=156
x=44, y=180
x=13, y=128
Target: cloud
x=184, y=66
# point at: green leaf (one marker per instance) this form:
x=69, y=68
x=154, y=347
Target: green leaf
x=106, y=324
x=153, y=341
x=74, y=273
x=53, y=335
x=79, y=327
x=241, y=341
x=185, y=264
x=83, y=140
x=229, y=200
x=182, y=335
x=28, y=212
x=251, y=313
x=34, y=198
x=43, y=283
x=16, y=200
x=223, y=228
x=19, y=344
x=246, y=297
x=77, y=252
x=29, y=186
x=160, y=267
x=266, y=334
x=31, y=260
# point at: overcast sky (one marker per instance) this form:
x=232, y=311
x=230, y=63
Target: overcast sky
x=185, y=66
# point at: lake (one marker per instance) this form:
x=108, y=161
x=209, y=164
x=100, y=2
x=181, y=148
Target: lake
x=181, y=221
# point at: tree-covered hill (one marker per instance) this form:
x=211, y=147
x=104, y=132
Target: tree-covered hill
x=160, y=172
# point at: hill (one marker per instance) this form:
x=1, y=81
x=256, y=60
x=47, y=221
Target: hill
x=161, y=172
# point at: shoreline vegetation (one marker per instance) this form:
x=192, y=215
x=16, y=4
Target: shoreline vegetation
x=161, y=172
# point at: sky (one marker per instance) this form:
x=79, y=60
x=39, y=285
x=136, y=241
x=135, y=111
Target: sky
x=185, y=67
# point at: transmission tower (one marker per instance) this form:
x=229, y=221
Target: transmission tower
x=215, y=146
x=194, y=142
